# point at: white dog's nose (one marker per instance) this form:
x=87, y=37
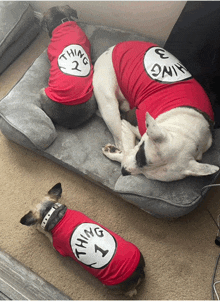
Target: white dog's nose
x=124, y=172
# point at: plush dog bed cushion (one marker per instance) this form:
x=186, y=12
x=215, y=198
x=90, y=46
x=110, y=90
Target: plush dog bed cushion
x=18, y=27
x=23, y=121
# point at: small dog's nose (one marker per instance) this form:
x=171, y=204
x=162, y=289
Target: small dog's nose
x=124, y=172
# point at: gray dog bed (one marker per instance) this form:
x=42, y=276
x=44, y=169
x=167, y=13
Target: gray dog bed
x=18, y=27
x=23, y=121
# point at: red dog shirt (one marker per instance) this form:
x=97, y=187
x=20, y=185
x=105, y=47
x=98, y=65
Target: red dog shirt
x=71, y=71
x=103, y=253
x=154, y=81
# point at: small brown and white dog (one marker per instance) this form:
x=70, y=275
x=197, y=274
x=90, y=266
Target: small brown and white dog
x=173, y=112
x=68, y=100
x=117, y=263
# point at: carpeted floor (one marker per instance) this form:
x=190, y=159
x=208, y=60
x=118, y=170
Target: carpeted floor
x=180, y=255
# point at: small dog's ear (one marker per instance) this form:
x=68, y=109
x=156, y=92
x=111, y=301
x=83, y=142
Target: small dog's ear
x=28, y=219
x=56, y=190
x=39, y=16
x=42, y=20
x=73, y=14
x=70, y=12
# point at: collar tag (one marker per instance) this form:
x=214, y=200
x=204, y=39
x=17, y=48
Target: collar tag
x=47, y=217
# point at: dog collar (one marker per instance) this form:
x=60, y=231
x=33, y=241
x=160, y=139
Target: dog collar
x=66, y=19
x=47, y=217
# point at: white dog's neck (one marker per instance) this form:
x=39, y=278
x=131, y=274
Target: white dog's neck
x=183, y=118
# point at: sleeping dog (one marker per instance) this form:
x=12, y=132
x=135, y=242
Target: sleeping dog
x=68, y=100
x=117, y=263
x=173, y=112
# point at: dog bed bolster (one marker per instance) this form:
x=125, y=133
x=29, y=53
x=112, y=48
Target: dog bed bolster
x=18, y=27
x=20, y=110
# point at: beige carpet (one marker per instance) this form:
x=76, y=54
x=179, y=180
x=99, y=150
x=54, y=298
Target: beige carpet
x=180, y=255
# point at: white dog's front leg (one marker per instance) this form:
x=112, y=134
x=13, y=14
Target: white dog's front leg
x=111, y=115
x=128, y=140
x=105, y=87
x=132, y=128
x=128, y=135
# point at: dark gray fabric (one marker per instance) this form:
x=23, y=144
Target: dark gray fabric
x=18, y=27
x=195, y=41
x=23, y=121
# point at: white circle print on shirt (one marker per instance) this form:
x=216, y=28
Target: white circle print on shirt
x=74, y=61
x=163, y=67
x=92, y=245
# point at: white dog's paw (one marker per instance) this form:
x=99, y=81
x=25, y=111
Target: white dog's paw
x=112, y=152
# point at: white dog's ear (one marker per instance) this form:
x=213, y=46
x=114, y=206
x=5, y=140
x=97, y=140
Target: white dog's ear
x=153, y=130
x=199, y=169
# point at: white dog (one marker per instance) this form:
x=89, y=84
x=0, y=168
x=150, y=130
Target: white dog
x=173, y=112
